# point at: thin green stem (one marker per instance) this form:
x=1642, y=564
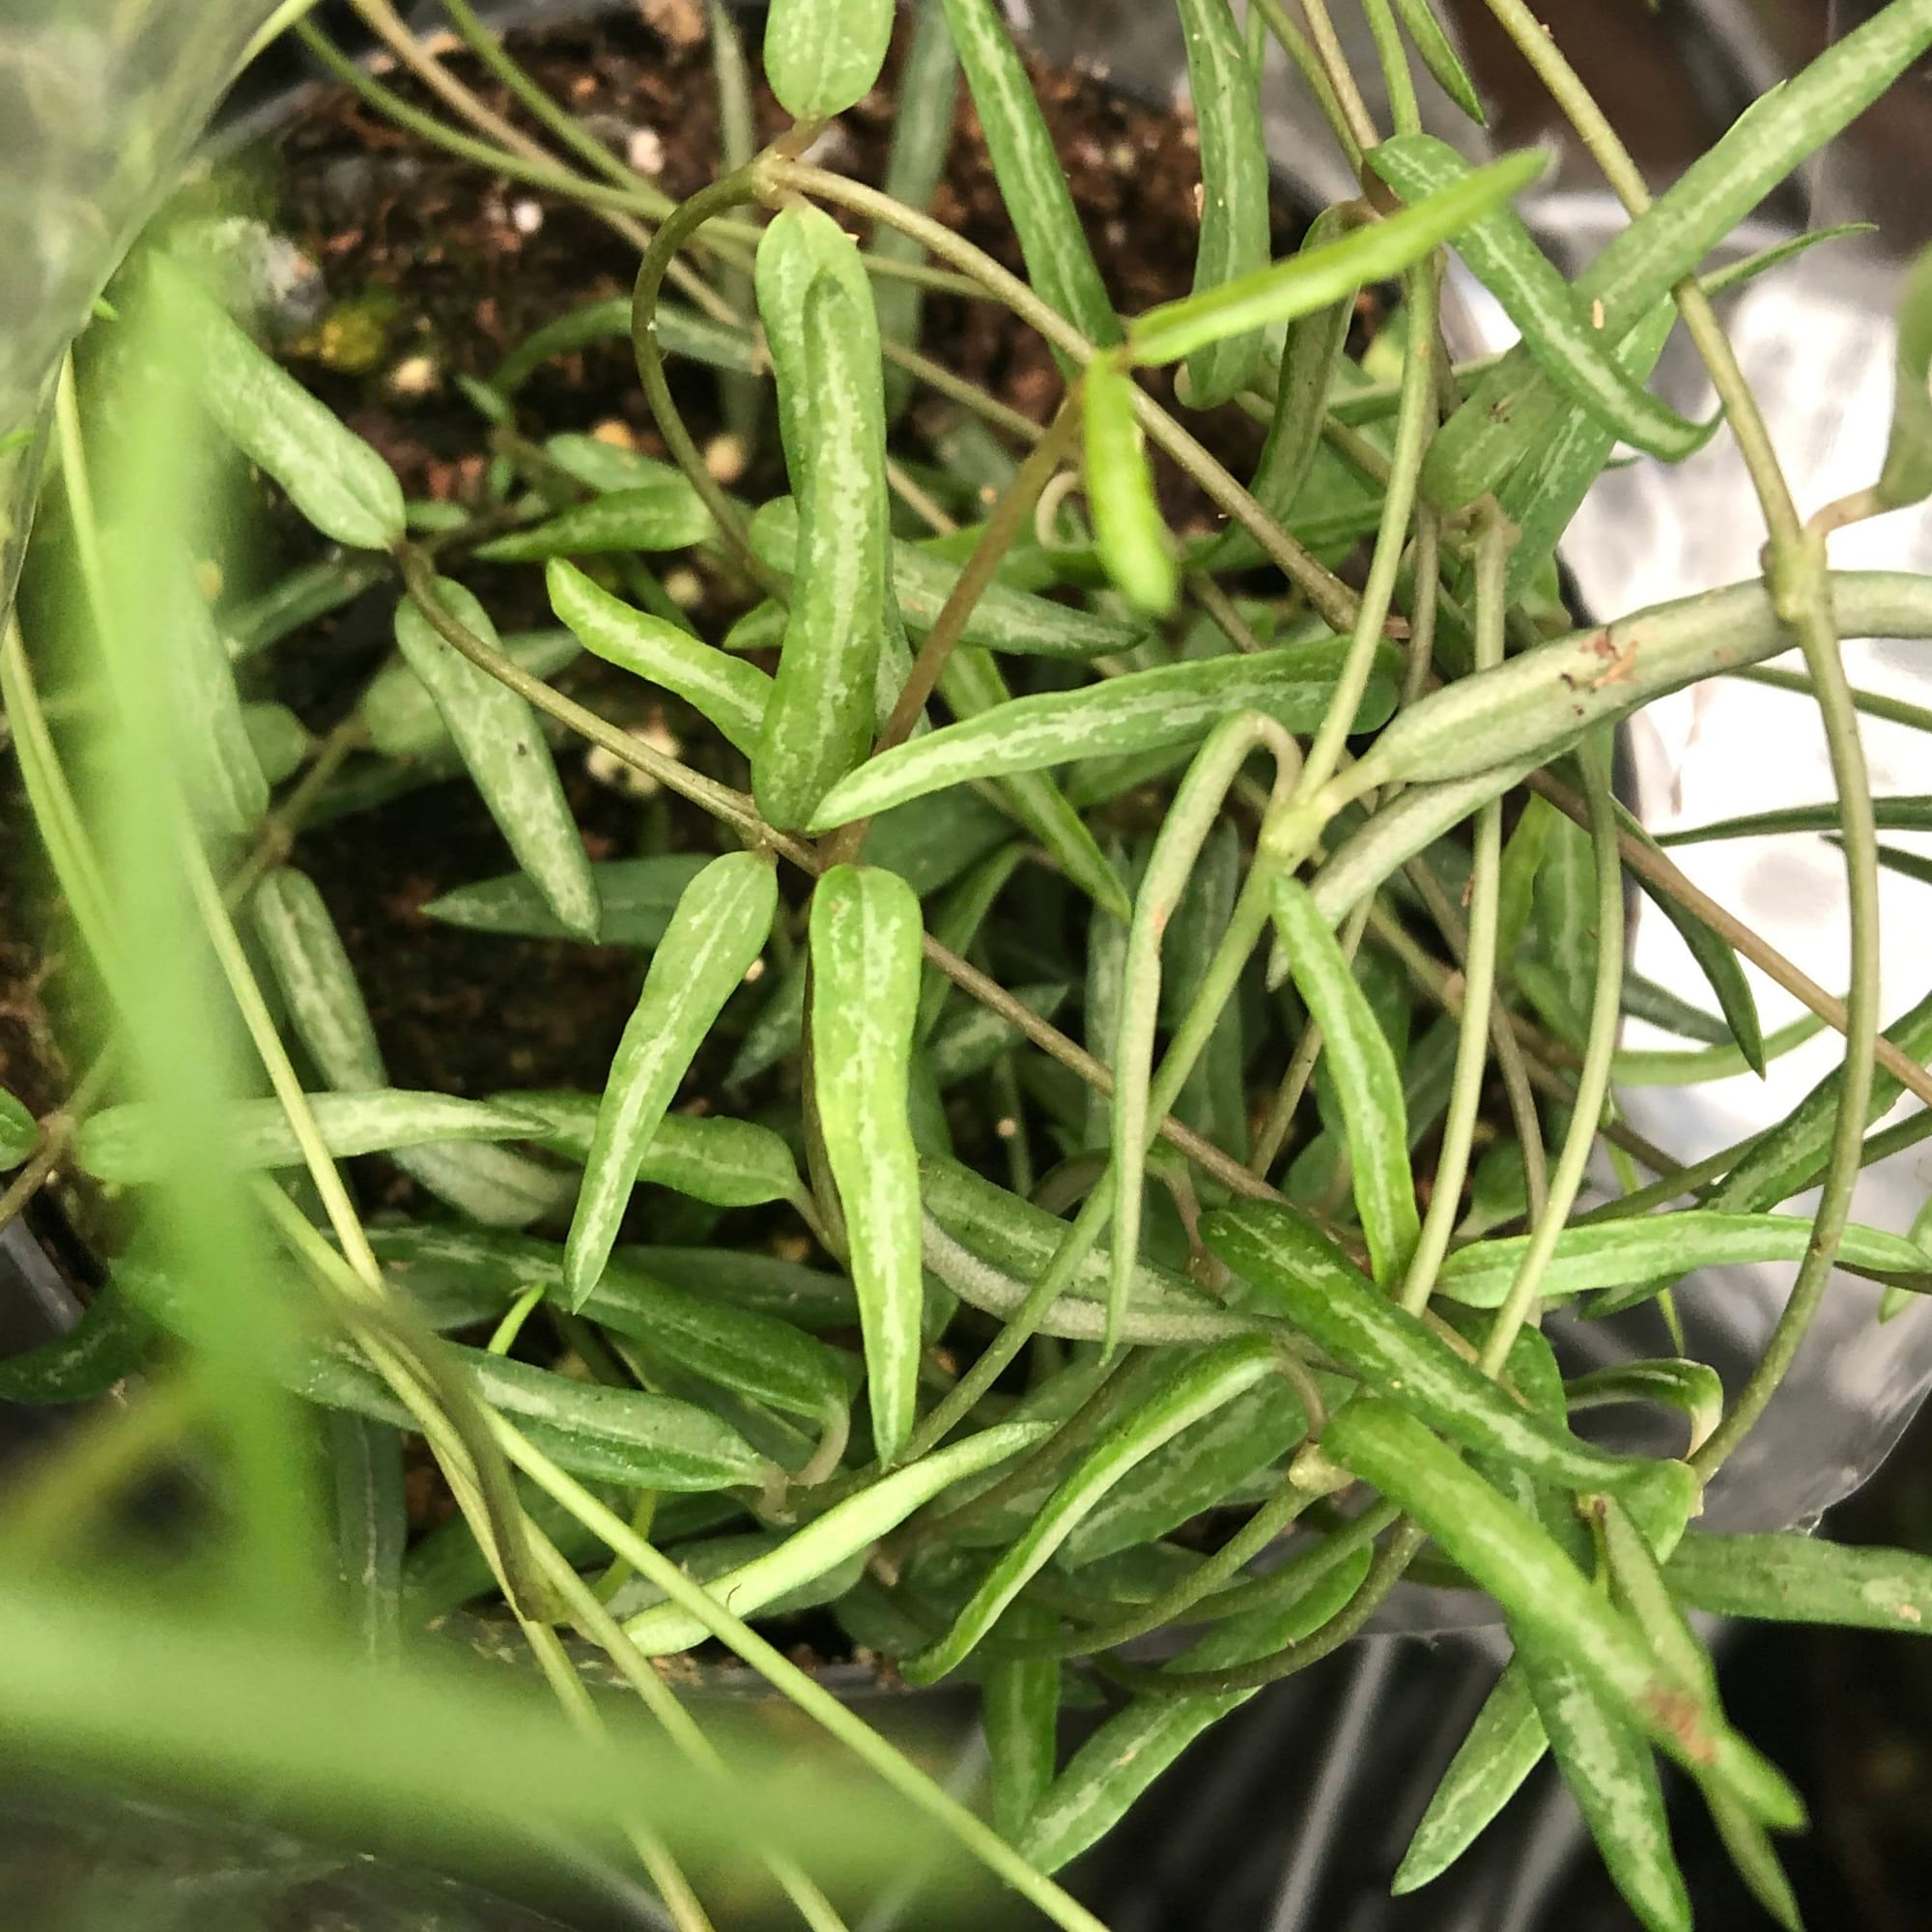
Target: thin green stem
x=1415, y=419
x=1008, y=517
x=1405, y=111
x=1479, y=968
x=1893, y=710
x=684, y=221
x=1592, y=1081
x=565, y=126
x=1335, y=69
x=1307, y=63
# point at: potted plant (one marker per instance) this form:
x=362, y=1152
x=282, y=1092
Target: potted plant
x=1129, y=1014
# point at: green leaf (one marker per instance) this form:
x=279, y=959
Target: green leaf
x=282, y=744
x=1032, y=178
x=1785, y=1160
x=1642, y=1248
x=1019, y=1706
x=1907, y=475
x=1001, y=618
x=335, y=478
x=401, y=717
x=731, y=693
x=129, y=1145
x=1317, y=277
x=680, y=331
x=504, y=746
x=720, y=927
x=928, y=94
x=660, y=515
x=1214, y=1378
x=107, y=1345
x=1797, y=1579
x=709, y=1157
x=1367, y=1081
x=371, y=1529
x=1438, y=55
x=1899, y=813
x=1554, y=326
x=1175, y=704
x=1694, y=1388
x=847, y=1528
x=1609, y=1768
x=1299, y=1274
x=635, y=899
x=823, y=56
x=1134, y=542
x=817, y=309
x=1504, y=1744
x=1225, y=84
x=20, y=1131
x=972, y=685
x=1140, y=1741
x=1549, y=1601
x=865, y=939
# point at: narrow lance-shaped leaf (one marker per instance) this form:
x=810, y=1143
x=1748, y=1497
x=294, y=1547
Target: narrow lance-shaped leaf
x=1504, y=1744
x=866, y=935
x=1226, y=88
x=1903, y=812
x=1907, y=475
x=721, y=926
x=109, y=1342
x=636, y=898
x=1173, y=704
x=1791, y=1577
x=1020, y=1709
x=709, y=1157
x=821, y=56
x=1135, y=543
x=129, y=1145
x=401, y=716
x=1608, y=1764
x=972, y=685
x=1139, y=1742
x=1367, y=1081
x=1299, y=1274
x=731, y=693
x=1303, y=283
x=371, y=1527
x=1438, y=55
x=1610, y=1254
x=1032, y=179
x=843, y=1530
x=1309, y=359
x=660, y=515
x=1215, y=1377
x=1556, y=326
x=1000, y=619
x=504, y=748
x=335, y=478
x=20, y=1131
x=227, y=790
x=825, y=346
x=1547, y=1599
x=495, y=1185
